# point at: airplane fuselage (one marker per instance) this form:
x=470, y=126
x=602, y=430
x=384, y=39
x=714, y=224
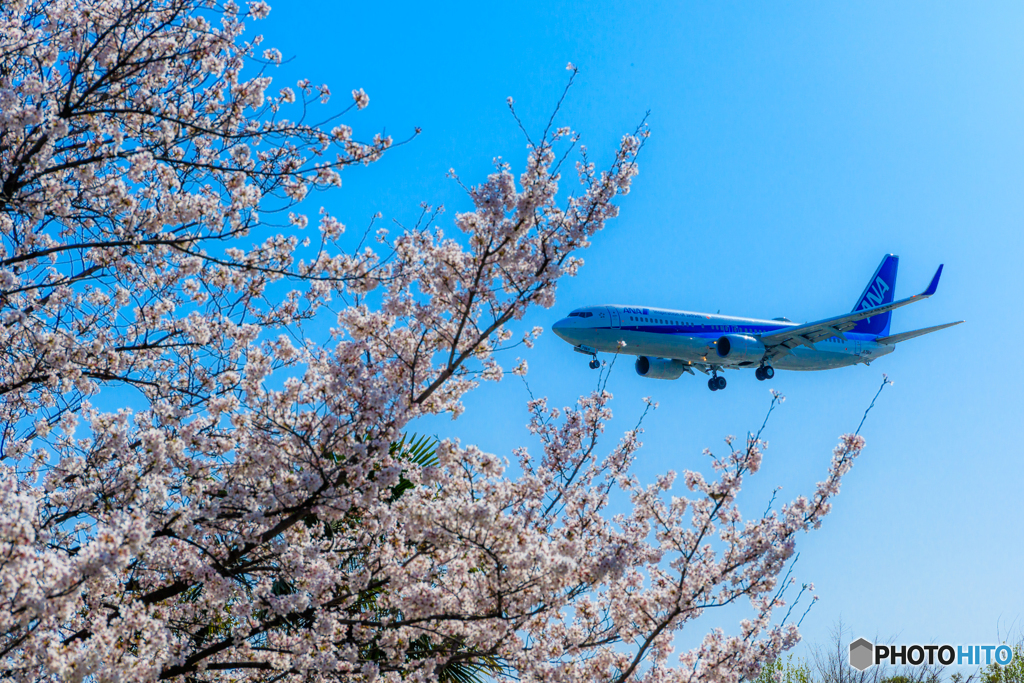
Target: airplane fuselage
x=691, y=337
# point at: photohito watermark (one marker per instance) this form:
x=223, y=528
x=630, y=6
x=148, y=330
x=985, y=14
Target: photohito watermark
x=864, y=654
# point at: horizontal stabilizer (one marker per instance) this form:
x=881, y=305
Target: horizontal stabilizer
x=904, y=336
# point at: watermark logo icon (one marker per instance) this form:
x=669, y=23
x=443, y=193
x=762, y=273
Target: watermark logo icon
x=862, y=654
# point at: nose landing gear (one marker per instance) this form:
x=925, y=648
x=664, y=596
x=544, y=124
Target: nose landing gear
x=764, y=372
x=590, y=351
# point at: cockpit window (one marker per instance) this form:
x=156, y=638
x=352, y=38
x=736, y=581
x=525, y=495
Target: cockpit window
x=574, y=314
x=580, y=314
x=586, y=315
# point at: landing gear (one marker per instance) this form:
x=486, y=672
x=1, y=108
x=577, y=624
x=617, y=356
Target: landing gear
x=715, y=382
x=590, y=351
x=764, y=372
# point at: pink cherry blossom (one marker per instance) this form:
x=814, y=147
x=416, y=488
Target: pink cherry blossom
x=361, y=98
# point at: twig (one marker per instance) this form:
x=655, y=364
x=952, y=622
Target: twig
x=885, y=380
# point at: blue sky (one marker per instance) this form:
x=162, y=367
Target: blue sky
x=792, y=146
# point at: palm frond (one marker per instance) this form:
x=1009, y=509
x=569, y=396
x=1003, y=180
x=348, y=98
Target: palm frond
x=420, y=451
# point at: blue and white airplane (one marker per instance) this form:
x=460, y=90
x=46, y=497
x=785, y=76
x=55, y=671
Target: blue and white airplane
x=668, y=343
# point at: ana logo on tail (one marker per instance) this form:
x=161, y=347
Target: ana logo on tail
x=875, y=294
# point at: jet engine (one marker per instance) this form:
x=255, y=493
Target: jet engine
x=740, y=348
x=659, y=368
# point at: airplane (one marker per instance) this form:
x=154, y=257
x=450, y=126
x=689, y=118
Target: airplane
x=668, y=343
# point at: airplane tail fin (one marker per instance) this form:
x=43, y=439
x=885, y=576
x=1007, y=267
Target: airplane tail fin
x=880, y=290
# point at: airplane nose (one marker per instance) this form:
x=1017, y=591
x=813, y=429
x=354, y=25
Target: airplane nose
x=560, y=327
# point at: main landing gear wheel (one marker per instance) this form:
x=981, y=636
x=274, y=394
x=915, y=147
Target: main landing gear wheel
x=764, y=372
x=595, y=364
x=717, y=382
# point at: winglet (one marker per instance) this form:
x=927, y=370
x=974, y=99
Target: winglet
x=934, y=283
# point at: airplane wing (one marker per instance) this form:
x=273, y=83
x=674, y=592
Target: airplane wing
x=690, y=367
x=783, y=341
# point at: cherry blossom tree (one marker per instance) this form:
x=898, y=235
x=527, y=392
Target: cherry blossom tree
x=262, y=516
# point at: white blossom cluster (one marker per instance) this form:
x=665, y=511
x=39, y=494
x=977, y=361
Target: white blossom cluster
x=259, y=519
